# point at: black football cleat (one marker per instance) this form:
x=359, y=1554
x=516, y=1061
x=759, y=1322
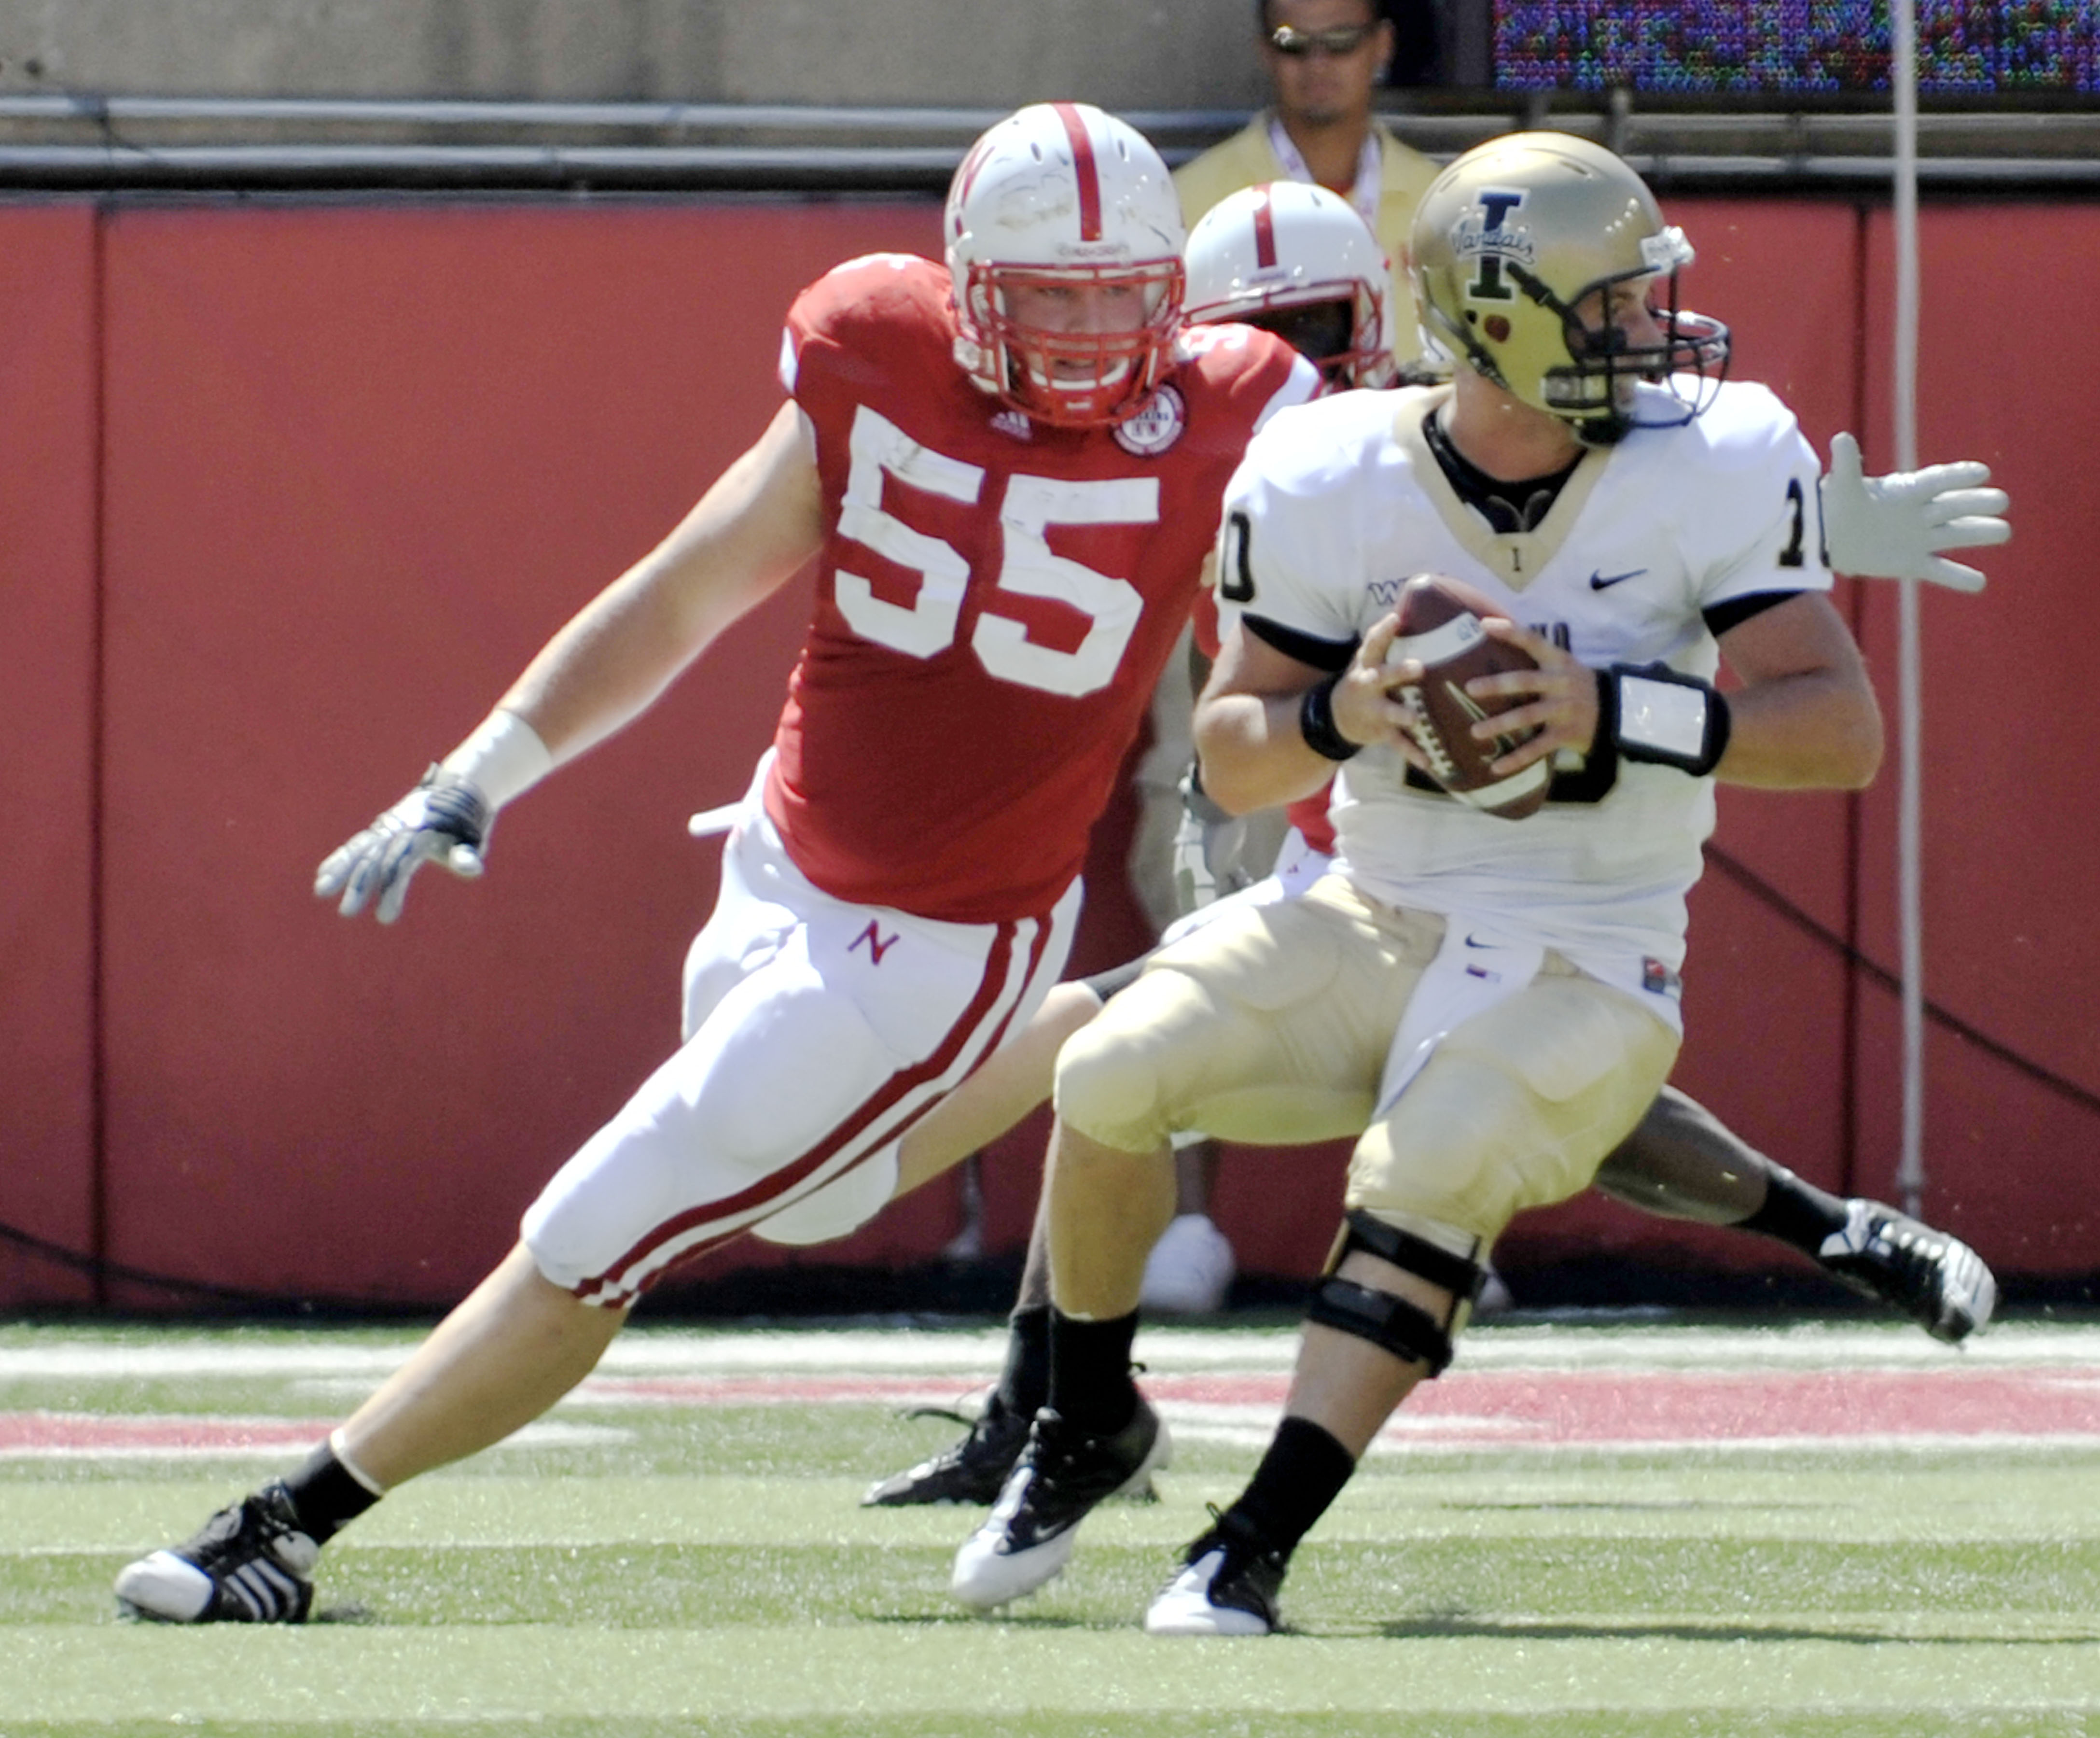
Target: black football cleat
x=251, y=1564
x=972, y=1471
x=1228, y=1586
x=1938, y=1280
x=1061, y=1475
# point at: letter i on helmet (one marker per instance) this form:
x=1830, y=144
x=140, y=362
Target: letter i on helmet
x=1516, y=249
x=1061, y=196
x=1298, y=261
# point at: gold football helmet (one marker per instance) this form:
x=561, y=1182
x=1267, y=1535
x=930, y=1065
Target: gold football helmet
x=1516, y=250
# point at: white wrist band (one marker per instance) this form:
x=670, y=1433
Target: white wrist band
x=503, y=758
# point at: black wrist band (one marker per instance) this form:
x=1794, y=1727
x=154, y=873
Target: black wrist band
x=1316, y=723
x=1648, y=712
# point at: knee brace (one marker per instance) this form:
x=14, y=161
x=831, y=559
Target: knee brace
x=1393, y=1324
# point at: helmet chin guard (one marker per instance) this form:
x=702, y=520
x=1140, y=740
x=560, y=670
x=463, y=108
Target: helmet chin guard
x=1062, y=197
x=1517, y=247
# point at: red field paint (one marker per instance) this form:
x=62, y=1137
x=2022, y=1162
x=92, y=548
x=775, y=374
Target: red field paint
x=1568, y=1409
x=36, y=1434
x=1620, y=1408
x=1493, y=1409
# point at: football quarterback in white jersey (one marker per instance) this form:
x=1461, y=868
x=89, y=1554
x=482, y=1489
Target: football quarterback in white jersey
x=1488, y=1006
x=1299, y=261
x=1644, y=543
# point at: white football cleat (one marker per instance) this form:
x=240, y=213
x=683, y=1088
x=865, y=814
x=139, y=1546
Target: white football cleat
x=251, y=1563
x=1028, y=1537
x=1228, y=1586
x=1938, y=1280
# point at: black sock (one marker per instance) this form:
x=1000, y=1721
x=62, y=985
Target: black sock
x=1797, y=1213
x=1090, y=1385
x=326, y=1495
x=1302, y=1474
x=1024, y=1385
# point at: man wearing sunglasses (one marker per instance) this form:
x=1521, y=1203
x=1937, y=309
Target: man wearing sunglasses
x=1324, y=58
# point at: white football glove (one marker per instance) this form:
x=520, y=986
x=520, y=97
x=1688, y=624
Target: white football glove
x=446, y=820
x=1208, y=848
x=1895, y=527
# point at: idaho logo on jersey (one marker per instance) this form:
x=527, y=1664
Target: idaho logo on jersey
x=1156, y=428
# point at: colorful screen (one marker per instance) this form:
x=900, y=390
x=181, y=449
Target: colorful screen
x=1795, y=47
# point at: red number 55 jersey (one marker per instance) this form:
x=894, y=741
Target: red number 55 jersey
x=996, y=597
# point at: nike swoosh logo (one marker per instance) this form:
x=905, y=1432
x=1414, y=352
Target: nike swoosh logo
x=1474, y=942
x=1604, y=581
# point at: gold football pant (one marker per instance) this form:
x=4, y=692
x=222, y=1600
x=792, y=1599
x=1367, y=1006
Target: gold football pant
x=1271, y=1026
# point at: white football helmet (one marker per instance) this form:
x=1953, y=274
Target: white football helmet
x=1515, y=248
x=1060, y=197
x=1298, y=260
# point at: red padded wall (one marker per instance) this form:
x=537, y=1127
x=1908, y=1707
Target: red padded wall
x=362, y=463
x=48, y=461
x=2011, y=878
x=299, y=488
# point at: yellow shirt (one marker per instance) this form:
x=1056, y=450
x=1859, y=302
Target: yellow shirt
x=1246, y=158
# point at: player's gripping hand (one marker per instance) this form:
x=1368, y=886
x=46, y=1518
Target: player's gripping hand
x=1368, y=707
x=1895, y=527
x=1208, y=847
x=446, y=820
x=1550, y=707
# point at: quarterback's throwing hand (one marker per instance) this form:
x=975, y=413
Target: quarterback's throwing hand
x=1895, y=527
x=444, y=819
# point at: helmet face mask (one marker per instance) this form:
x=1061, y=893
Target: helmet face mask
x=1606, y=364
x=1298, y=260
x=1062, y=221
x=1075, y=378
x=1525, y=251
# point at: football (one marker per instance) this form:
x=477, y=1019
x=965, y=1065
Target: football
x=1440, y=628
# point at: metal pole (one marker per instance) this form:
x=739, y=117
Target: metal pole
x=1903, y=76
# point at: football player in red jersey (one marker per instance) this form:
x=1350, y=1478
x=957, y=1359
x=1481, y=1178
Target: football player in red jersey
x=1008, y=471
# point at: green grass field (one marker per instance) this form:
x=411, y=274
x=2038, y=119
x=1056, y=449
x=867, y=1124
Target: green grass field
x=680, y=1549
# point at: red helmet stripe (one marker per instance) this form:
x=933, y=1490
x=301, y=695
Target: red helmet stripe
x=1264, y=232
x=1083, y=167
x=966, y=177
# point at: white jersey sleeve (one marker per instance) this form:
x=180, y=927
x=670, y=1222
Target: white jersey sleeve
x=1749, y=520
x=1293, y=534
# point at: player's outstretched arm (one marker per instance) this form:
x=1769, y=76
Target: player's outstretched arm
x=1897, y=527
x=760, y=521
